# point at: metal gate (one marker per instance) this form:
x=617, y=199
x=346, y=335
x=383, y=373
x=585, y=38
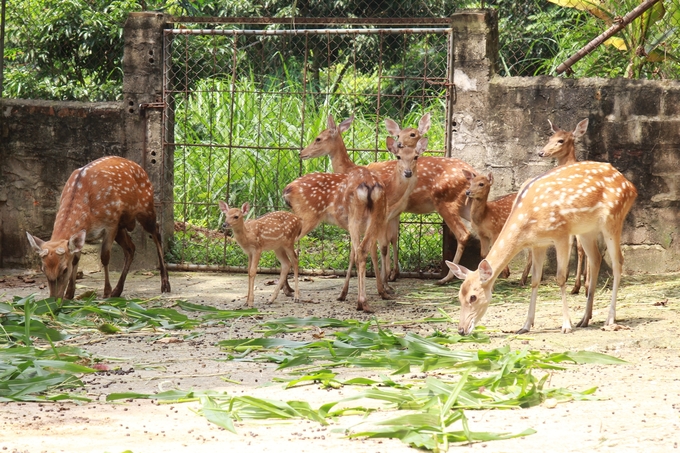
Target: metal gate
x=241, y=103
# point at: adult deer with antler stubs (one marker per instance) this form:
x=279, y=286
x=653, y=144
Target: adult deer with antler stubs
x=582, y=199
x=440, y=186
x=102, y=200
x=277, y=231
x=561, y=146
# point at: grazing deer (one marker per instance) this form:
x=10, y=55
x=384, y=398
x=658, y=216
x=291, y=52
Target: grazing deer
x=275, y=231
x=582, y=199
x=561, y=146
x=440, y=186
x=102, y=200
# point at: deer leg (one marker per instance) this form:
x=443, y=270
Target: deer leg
x=562, y=248
x=538, y=256
x=393, y=232
x=589, y=243
x=614, y=248
x=253, y=261
x=125, y=242
x=579, y=268
x=345, y=286
x=105, y=256
x=294, y=259
x=151, y=226
x=361, y=256
x=459, y=231
x=285, y=267
x=527, y=269
x=383, y=270
x=71, y=287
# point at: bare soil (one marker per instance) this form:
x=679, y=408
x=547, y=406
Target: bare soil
x=639, y=410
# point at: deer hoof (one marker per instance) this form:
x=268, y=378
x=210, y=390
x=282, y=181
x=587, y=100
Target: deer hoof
x=364, y=307
x=393, y=276
x=522, y=331
x=583, y=322
x=165, y=287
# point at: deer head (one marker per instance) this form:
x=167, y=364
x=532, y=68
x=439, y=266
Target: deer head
x=474, y=295
x=234, y=217
x=328, y=140
x=57, y=259
x=479, y=185
x=408, y=136
x=561, y=146
x=407, y=157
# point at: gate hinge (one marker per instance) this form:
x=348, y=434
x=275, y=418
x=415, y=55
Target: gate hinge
x=152, y=105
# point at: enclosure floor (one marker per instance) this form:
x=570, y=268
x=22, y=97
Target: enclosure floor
x=639, y=408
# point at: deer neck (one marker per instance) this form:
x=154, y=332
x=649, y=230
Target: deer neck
x=340, y=160
x=399, y=189
x=478, y=210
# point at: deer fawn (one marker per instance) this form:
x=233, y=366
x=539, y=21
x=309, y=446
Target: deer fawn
x=488, y=217
x=440, y=186
x=275, y=231
x=102, y=200
x=582, y=199
x=561, y=146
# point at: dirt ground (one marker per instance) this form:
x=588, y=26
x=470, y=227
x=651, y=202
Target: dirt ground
x=639, y=410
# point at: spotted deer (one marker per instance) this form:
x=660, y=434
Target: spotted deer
x=488, y=217
x=561, y=146
x=277, y=231
x=582, y=199
x=356, y=202
x=102, y=200
x=440, y=186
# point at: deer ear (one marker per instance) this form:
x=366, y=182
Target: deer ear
x=421, y=146
x=36, y=243
x=330, y=124
x=581, y=128
x=459, y=271
x=342, y=127
x=468, y=175
x=485, y=271
x=245, y=208
x=490, y=178
x=224, y=207
x=424, y=124
x=392, y=145
x=392, y=127
x=554, y=128
x=77, y=241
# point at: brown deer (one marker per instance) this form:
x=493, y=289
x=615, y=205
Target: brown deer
x=582, y=199
x=355, y=202
x=561, y=146
x=440, y=186
x=488, y=217
x=102, y=200
x=277, y=231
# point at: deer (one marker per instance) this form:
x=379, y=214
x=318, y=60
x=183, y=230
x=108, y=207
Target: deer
x=488, y=217
x=582, y=199
x=361, y=204
x=561, y=147
x=277, y=231
x=440, y=186
x=102, y=200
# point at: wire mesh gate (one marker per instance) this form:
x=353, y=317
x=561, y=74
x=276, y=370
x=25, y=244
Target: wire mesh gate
x=241, y=103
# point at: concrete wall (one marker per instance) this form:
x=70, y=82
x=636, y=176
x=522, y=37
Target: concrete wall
x=502, y=122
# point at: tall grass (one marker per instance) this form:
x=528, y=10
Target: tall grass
x=239, y=141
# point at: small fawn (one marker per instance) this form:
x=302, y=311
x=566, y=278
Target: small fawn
x=487, y=217
x=561, y=146
x=102, y=200
x=277, y=231
x=582, y=199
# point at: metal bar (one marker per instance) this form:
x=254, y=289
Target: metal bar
x=309, y=20
x=615, y=28
x=187, y=267
x=314, y=31
x=2, y=46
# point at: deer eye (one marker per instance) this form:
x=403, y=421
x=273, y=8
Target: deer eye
x=318, y=139
x=398, y=157
x=560, y=141
x=481, y=184
x=413, y=134
x=415, y=158
x=473, y=299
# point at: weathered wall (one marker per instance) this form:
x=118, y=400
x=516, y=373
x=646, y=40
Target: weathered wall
x=502, y=122
x=42, y=142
